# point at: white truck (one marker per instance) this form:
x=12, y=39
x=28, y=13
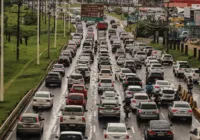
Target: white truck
x=73, y=118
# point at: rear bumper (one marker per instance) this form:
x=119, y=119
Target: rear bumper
x=117, y=115
x=72, y=127
x=28, y=130
x=41, y=105
x=181, y=115
x=53, y=82
x=142, y=116
x=161, y=137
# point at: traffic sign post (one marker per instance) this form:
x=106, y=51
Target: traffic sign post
x=92, y=12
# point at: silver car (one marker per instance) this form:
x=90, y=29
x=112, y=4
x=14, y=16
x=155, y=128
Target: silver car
x=180, y=109
x=108, y=108
x=104, y=84
x=110, y=95
x=30, y=123
x=147, y=110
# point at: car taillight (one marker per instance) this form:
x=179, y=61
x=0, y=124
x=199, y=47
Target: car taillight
x=140, y=83
x=61, y=119
x=48, y=100
x=193, y=74
x=34, y=100
x=99, y=84
x=105, y=136
x=156, y=86
x=134, y=101
x=151, y=132
x=190, y=111
x=83, y=119
x=139, y=111
x=82, y=80
x=37, y=119
x=112, y=84
x=20, y=119
x=129, y=93
x=101, y=108
x=126, y=82
x=169, y=133
x=180, y=69
x=116, y=108
x=174, y=110
x=157, y=111
x=127, y=136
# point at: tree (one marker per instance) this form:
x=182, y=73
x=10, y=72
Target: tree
x=26, y=33
x=30, y=18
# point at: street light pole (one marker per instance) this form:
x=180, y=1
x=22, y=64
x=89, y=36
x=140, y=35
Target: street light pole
x=45, y=20
x=18, y=28
x=55, y=34
x=49, y=14
x=64, y=10
x=167, y=27
x=137, y=19
x=69, y=17
x=2, y=52
x=38, y=33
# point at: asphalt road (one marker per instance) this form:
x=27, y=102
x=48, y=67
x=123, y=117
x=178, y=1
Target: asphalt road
x=94, y=129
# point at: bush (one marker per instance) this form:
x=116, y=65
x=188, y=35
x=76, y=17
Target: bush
x=30, y=18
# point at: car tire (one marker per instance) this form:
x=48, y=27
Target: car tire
x=138, y=118
x=18, y=134
x=46, y=85
x=34, y=108
x=189, y=120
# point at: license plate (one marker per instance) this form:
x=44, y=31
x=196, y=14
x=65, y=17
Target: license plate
x=161, y=134
x=72, y=125
x=148, y=113
x=182, y=111
x=116, y=137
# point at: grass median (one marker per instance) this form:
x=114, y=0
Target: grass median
x=178, y=55
x=120, y=17
x=25, y=74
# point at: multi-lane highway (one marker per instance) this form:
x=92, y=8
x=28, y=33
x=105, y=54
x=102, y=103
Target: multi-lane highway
x=94, y=130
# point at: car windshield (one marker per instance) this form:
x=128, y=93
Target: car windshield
x=141, y=53
x=129, y=63
x=52, y=75
x=169, y=56
x=116, y=129
x=126, y=71
x=135, y=89
x=76, y=77
x=70, y=137
x=106, y=81
x=168, y=91
x=105, y=71
x=148, y=106
x=78, y=87
x=73, y=109
x=157, y=66
x=182, y=106
x=28, y=119
x=162, y=83
x=160, y=126
x=140, y=97
x=105, y=63
x=184, y=66
x=76, y=97
x=42, y=95
x=156, y=74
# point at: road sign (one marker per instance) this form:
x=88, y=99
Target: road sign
x=92, y=12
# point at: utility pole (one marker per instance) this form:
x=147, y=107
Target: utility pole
x=38, y=33
x=45, y=20
x=40, y=12
x=55, y=34
x=69, y=18
x=2, y=53
x=167, y=40
x=137, y=19
x=54, y=12
x=64, y=12
x=49, y=15
x=42, y=5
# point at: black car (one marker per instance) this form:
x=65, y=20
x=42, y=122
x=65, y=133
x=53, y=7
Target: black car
x=53, y=78
x=130, y=64
x=153, y=76
x=158, y=130
x=130, y=80
x=64, y=60
x=138, y=63
x=91, y=54
x=112, y=21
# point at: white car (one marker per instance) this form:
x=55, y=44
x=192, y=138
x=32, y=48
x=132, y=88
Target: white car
x=167, y=58
x=141, y=55
x=193, y=72
x=156, y=53
x=148, y=59
x=59, y=68
x=137, y=98
x=119, y=75
x=116, y=131
x=110, y=95
x=160, y=84
x=71, y=134
x=177, y=63
x=42, y=99
x=120, y=60
x=105, y=73
x=180, y=68
x=156, y=67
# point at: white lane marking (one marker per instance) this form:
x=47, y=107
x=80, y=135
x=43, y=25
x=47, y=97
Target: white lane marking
x=95, y=113
x=94, y=129
x=133, y=130
x=163, y=115
x=54, y=129
x=90, y=134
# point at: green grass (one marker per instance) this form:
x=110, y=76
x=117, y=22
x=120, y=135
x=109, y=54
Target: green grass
x=178, y=55
x=71, y=5
x=23, y=75
x=130, y=28
x=121, y=17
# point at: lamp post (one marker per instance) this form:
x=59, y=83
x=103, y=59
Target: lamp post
x=137, y=19
x=2, y=53
x=167, y=41
x=55, y=34
x=69, y=17
x=38, y=33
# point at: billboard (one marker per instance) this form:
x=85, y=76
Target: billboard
x=189, y=2
x=187, y=12
x=197, y=18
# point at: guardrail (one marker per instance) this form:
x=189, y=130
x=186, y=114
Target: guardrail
x=9, y=123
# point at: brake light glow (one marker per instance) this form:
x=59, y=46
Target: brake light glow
x=180, y=69
x=193, y=74
x=174, y=110
x=99, y=84
x=112, y=84
x=134, y=101
x=83, y=119
x=61, y=119
x=126, y=82
x=37, y=119
x=101, y=108
x=20, y=119
x=140, y=83
x=151, y=132
x=105, y=136
x=116, y=108
x=157, y=111
x=140, y=111
x=190, y=111
x=169, y=133
x=157, y=86
x=127, y=136
x=129, y=93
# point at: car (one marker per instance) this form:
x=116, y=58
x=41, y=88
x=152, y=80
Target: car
x=76, y=99
x=132, y=89
x=71, y=135
x=79, y=88
x=59, y=68
x=77, y=39
x=131, y=80
x=75, y=78
x=149, y=62
x=138, y=63
x=158, y=129
x=104, y=84
x=141, y=55
x=193, y=72
x=156, y=67
x=78, y=35
x=112, y=21
x=108, y=108
x=102, y=25
x=147, y=110
x=159, y=84
x=116, y=131
x=148, y=59
x=89, y=23
x=42, y=99
x=130, y=64
x=167, y=58
x=179, y=69
x=111, y=32
x=120, y=60
x=87, y=72
x=195, y=134
x=73, y=118
x=68, y=54
x=129, y=48
x=180, y=109
x=65, y=60
x=137, y=98
x=152, y=76
x=105, y=73
x=119, y=75
x=167, y=94
x=30, y=123
x=113, y=38
x=116, y=45
x=53, y=79
x=114, y=26
x=120, y=52
x=110, y=95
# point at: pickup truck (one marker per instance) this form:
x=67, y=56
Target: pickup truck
x=73, y=118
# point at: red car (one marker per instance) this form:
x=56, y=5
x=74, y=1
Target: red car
x=102, y=25
x=79, y=88
x=76, y=99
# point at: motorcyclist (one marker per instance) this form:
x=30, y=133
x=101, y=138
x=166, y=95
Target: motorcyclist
x=83, y=74
x=126, y=106
x=149, y=89
x=95, y=47
x=157, y=99
x=190, y=84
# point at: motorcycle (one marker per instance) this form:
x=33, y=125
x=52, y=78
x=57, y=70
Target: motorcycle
x=127, y=110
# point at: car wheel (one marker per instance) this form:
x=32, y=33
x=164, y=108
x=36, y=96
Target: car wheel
x=46, y=85
x=34, y=107
x=18, y=134
x=189, y=120
x=138, y=118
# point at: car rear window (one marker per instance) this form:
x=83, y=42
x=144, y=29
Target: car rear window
x=140, y=97
x=168, y=91
x=109, y=94
x=135, y=89
x=182, y=106
x=160, y=126
x=42, y=95
x=148, y=106
x=52, y=75
x=130, y=63
x=57, y=66
x=162, y=83
x=106, y=81
x=141, y=53
x=126, y=71
x=73, y=109
x=29, y=119
x=76, y=77
x=76, y=97
x=167, y=56
x=78, y=87
x=156, y=74
x=70, y=137
x=116, y=129
x=109, y=105
x=105, y=71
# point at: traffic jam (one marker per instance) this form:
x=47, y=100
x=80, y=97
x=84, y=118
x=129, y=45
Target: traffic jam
x=108, y=86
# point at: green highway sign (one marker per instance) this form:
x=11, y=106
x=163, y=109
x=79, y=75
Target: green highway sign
x=92, y=12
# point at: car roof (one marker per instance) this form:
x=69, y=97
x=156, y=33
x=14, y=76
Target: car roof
x=71, y=132
x=109, y=92
x=152, y=103
x=167, y=88
x=143, y=93
x=106, y=78
x=162, y=81
x=108, y=101
x=42, y=92
x=135, y=87
x=52, y=72
x=130, y=74
x=180, y=102
x=29, y=115
x=117, y=124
